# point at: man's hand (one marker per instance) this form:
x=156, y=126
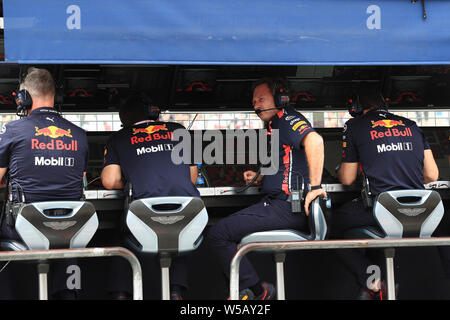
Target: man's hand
x=249, y=175
x=311, y=196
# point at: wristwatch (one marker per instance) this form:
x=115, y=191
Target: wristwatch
x=319, y=186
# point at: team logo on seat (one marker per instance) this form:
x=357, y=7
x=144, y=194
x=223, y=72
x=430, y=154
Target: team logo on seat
x=412, y=212
x=167, y=219
x=59, y=225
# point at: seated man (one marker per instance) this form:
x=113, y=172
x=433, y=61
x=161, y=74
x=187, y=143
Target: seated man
x=151, y=174
x=393, y=155
x=30, y=149
x=301, y=155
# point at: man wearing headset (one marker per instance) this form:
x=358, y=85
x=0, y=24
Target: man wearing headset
x=140, y=155
x=32, y=147
x=392, y=153
x=301, y=155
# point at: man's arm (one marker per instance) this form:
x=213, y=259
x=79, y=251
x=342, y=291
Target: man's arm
x=194, y=174
x=112, y=177
x=314, y=150
x=430, y=169
x=348, y=172
x=2, y=176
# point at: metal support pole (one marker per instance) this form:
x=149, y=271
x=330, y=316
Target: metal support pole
x=165, y=262
x=389, y=253
x=323, y=244
x=82, y=253
x=43, y=268
x=280, y=258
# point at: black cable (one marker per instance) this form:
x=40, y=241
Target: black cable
x=21, y=193
x=93, y=181
x=258, y=173
x=303, y=179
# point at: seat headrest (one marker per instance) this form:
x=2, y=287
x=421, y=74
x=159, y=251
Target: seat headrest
x=57, y=224
x=167, y=224
x=408, y=213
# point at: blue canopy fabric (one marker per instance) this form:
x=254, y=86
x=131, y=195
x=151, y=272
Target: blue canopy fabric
x=281, y=32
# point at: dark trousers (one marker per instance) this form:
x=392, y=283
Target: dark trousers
x=225, y=235
x=443, y=230
x=351, y=215
x=120, y=271
x=58, y=275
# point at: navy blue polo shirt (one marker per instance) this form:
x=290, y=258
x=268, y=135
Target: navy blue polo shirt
x=389, y=148
x=293, y=128
x=143, y=152
x=46, y=156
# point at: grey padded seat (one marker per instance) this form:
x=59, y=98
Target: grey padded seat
x=167, y=226
x=318, y=221
x=401, y=214
x=52, y=225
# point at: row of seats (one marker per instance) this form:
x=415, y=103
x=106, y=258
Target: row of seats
x=173, y=225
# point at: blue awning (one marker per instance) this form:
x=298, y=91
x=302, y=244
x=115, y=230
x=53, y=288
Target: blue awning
x=282, y=32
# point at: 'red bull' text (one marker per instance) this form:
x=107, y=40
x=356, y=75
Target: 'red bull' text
x=54, y=145
x=151, y=137
x=374, y=134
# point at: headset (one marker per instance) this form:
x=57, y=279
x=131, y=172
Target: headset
x=23, y=101
x=356, y=109
x=280, y=94
x=151, y=110
x=354, y=106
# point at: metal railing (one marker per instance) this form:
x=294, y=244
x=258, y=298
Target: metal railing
x=82, y=253
x=330, y=244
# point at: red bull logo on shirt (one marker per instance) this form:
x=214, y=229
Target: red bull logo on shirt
x=387, y=123
x=54, y=144
x=152, y=134
x=53, y=132
x=389, y=129
x=150, y=129
x=390, y=133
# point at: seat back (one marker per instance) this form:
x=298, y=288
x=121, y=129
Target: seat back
x=167, y=224
x=56, y=224
x=12, y=245
x=408, y=213
x=319, y=219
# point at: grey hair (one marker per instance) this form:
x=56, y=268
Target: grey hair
x=39, y=83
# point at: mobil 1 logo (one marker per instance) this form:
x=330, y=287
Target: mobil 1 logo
x=399, y=146
x=54, y=161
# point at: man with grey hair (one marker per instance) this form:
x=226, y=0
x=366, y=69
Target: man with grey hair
x=301, y=157
x=31, y=150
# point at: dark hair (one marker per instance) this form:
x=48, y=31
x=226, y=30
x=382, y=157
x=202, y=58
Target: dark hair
x=369, y=95
x=274, y=84
x=134, y=108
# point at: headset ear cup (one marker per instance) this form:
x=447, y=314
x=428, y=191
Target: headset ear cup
x=280, y=95
x=153, y=112
x=23, y=100
x=354, y=107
